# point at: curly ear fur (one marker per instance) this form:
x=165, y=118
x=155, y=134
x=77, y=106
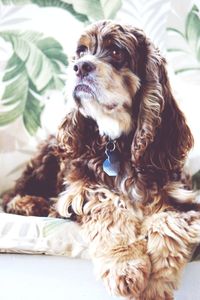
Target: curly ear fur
x=78, y=136
x=162, y=138
x=149, y=99
x=71, y=134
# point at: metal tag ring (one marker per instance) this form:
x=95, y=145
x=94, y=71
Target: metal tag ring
x=111, y=146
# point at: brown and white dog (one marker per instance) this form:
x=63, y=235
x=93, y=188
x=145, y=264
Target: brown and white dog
x=116, y=165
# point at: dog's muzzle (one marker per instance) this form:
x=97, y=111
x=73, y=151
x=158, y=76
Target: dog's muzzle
x=85, y=86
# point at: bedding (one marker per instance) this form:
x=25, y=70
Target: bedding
x=36, y=235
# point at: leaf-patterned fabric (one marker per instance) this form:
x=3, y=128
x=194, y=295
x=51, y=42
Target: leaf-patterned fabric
x=35, y=235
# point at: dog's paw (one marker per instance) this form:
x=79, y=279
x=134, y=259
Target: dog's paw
x=127, y=273
x=128, y=279
x=28, y=206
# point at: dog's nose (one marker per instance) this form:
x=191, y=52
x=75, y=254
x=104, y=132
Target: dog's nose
x=83, y=68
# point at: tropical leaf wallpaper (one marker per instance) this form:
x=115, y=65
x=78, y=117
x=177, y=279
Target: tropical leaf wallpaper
x=36, y=38
x=35, y=66
x=191, y=38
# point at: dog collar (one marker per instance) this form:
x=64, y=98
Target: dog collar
x=111, y=165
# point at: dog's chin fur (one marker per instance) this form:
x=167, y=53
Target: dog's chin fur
x=112, y=123
x=141, y=225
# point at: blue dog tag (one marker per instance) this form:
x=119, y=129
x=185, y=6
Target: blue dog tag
x=111, y=165
x=112, y=169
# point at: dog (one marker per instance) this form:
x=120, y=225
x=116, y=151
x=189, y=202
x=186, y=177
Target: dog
x=115, y=166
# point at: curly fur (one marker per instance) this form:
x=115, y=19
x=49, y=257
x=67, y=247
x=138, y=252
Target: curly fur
x=141, y=225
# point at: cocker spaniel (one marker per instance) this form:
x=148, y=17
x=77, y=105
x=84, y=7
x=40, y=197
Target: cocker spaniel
x=116, y=164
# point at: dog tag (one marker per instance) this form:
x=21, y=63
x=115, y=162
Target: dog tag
x=111, y=165
x=112, y=169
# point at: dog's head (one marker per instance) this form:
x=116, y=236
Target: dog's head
x=104, y=80
x=118, y=78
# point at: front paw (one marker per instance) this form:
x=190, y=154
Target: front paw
x=128, y=271
x=28, y=206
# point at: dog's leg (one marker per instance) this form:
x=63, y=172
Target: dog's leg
x=112, y=230
x=171, y=239
x=39, y=182
x=27, y=206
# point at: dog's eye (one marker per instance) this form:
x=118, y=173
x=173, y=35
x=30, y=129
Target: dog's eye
x=117, y=54
x=81, y=50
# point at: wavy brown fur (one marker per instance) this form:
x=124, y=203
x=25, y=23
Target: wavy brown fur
x=141, y=225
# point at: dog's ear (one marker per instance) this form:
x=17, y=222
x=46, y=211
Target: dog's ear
x=162, y=137
x=76, y=135
x=71, y=134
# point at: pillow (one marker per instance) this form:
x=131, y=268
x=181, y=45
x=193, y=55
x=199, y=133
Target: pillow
x=36, y=235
